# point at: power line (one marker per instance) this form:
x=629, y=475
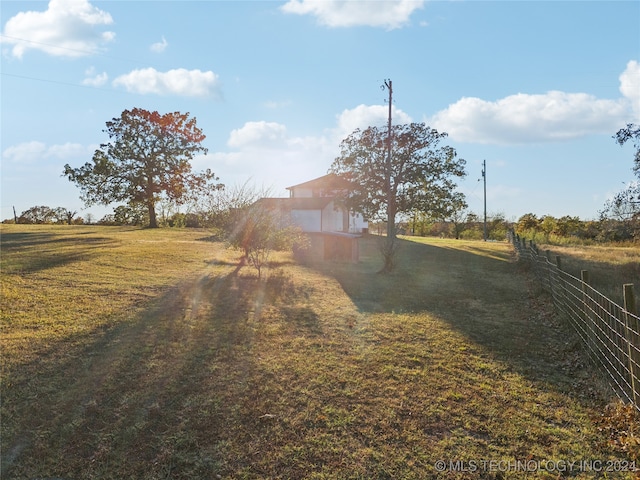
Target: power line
x=92, y=53
x=50, y=45
x=58, y=82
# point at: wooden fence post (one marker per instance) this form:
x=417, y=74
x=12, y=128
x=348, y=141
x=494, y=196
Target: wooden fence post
x=560, y=296
x=631, y=332
x=584, y=276
x=586, y=305
x=629, y=298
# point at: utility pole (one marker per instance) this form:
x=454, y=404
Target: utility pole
x=484, y=177
x=390, y=201
x=15, y=217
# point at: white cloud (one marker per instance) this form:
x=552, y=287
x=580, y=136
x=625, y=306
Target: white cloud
x=24, y=152
x=68, y=28
x=364, y=116
x=264, y=149
x=34, y=151
x=525, y=118
x=272, y=135
x=630, y=86
x=389, y=14
x=257, y=135
x=68, y=150
x=94, y=79
x=182, y=82
x=552, y=116
x=159, y=47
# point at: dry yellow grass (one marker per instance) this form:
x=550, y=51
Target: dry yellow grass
x=155, y=354
x=609, y=267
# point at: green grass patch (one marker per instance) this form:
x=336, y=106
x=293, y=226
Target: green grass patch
x=156, y=354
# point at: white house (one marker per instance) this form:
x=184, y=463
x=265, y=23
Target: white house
x=314, y=209
x=332, y=229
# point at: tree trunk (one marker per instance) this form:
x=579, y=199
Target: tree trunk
x=390, y=243
x=153, y=222
x=391, y=222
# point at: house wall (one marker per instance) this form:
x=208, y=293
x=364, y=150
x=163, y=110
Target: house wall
x=301, y=192
x=337, y=220
x=308, y=220
x=329, y=220
x=357, y=223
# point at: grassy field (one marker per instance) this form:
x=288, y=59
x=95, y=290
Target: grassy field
x=609, y=267
x=151, y=354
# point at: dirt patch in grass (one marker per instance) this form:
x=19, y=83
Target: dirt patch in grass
x=316, y=371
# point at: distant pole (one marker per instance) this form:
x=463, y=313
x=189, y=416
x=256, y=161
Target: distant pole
x=390, y=227
x=388, y=84
x=15, y=217
x=484, y=177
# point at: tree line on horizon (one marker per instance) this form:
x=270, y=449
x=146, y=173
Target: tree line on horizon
x=220, y=218
x=542, y=229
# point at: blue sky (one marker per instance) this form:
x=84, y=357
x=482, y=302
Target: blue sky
x=535, y=88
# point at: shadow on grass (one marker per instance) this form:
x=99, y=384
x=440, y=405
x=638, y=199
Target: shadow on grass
x=482, y=293
x=428, y=278
x=36, y=251
x=212, y=238
x=136, y=399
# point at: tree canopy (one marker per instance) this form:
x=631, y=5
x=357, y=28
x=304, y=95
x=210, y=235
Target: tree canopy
x=147, y=159
x=631, y=132
x=419, y=175
x=625, y=205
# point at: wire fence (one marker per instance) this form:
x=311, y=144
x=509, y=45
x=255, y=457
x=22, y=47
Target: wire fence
x=609, y=332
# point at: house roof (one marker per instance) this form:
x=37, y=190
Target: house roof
x=330, y=181
x=310, y=203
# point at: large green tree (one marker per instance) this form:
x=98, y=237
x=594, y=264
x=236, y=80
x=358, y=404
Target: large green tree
x=147, y=158
x=412, y=172
x=39, y=214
